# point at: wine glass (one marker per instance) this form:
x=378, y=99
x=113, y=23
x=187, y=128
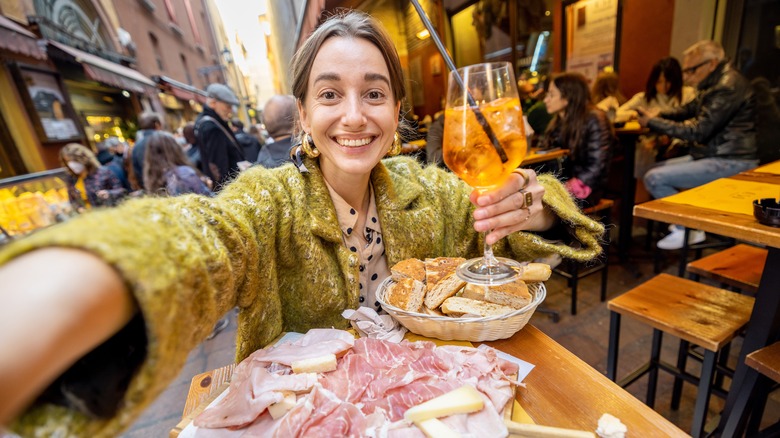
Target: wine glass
x=484, y=141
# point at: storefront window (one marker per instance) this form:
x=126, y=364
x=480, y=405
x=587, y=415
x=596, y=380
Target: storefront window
x=483, y=32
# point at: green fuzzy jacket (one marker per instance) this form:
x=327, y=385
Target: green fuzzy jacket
x=270, y=244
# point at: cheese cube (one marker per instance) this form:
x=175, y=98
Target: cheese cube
x=433, y=428
x=277, y=410
x=463, y=400
x=321, y=364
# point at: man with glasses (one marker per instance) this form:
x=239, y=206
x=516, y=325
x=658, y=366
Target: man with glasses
x=719, y=125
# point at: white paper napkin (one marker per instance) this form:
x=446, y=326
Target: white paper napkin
x=370, y=324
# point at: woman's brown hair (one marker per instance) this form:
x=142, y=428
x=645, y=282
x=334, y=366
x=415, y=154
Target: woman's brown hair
x=162, y=154
x=573, y=88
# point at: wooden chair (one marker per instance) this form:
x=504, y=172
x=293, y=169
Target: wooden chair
x=573, y=271
x=739, y=267
x=696, y=313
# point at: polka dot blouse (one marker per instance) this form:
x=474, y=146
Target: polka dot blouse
x=366, y=243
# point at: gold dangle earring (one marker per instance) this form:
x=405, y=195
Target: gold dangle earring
x=308, y=149
x=396, y=148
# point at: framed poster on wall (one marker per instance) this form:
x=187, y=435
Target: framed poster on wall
x=47, y=104
x=591, y=36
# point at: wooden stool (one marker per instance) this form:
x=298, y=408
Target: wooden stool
x=572, y=270
x=739, y=266
x=767, y=362
x=696, y=313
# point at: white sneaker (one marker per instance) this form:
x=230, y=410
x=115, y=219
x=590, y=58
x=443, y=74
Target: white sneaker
x=674, y=240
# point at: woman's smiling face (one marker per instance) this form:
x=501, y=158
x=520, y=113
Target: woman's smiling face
x=349, y=109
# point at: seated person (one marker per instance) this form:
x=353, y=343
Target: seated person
x=719, y=124
x=583, y=129
x=606, y=93
x=664, y=91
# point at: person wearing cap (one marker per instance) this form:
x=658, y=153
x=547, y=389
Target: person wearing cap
x=220, y=151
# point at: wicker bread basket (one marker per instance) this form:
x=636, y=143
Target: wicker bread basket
x=447, y=328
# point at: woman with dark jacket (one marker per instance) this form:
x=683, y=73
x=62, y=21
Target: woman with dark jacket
x=93, y=185
x=583, y=129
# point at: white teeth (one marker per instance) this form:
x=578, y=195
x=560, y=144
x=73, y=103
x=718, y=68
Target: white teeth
x=353, y=143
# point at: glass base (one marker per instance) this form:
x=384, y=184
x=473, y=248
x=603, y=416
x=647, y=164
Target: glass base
x=476, y=272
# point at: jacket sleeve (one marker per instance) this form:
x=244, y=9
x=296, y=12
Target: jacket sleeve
x=186, y=260
x=598, y=145
x=680, y=113
x=628, y=109
x=458, y=237
x=717, y=108
x=585, y=230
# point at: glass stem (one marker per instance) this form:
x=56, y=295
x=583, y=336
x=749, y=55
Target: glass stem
x=490, y=259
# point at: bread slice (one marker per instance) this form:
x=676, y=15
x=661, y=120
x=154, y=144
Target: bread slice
x=406, y=294
x=473, y=307
x=514, y=294
x=447, y=287
x=414, y=268
x=438, y=268
x=535, y=272
x=432, y=312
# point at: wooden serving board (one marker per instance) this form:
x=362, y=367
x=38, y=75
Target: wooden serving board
x=206, y=387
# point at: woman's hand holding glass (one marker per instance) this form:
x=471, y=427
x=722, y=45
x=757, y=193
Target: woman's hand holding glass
x=484, y=143
x=505, y=209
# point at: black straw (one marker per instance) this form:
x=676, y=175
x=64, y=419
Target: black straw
x=451, y=65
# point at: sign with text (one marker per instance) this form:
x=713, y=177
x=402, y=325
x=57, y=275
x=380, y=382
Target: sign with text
x=591, y=32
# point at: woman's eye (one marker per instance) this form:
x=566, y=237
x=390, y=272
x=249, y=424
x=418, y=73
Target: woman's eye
x=375, y=95
x=328, y=95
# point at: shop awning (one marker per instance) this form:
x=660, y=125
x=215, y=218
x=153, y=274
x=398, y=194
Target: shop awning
x=181, y=90
x=19, y=40
x=107, y=72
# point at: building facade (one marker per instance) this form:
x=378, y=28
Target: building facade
x=83, y=70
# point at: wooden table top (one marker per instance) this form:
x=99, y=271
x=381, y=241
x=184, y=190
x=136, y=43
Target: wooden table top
x=766, y=361
x=561, y=391
x=738, y=226
x=534, y=157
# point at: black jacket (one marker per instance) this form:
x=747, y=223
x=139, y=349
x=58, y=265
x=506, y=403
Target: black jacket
x=720, y=120
x=219, y=149
x=249, y=144
x=589, y=160
x=275, y=154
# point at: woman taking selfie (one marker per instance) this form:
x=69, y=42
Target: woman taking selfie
x=286, y=245
x=582, y=129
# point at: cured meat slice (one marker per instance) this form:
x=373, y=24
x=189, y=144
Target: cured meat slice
x=315, y=343
x=397, y=400
x=351, y=378
x=247, y=398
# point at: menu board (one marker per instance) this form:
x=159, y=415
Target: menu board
x=591, y=31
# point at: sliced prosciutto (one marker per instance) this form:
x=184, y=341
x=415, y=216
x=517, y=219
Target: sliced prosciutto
x=374, y=384
x=315, y=343
x=249, y=395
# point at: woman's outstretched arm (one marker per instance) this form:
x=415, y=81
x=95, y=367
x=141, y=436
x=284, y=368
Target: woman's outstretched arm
x=57, y=305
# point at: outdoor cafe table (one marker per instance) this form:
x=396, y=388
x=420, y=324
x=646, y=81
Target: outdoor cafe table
x=561, y=391
x=724, y=207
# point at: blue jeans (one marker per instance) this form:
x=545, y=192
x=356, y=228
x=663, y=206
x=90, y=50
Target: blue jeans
x=670, y=176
